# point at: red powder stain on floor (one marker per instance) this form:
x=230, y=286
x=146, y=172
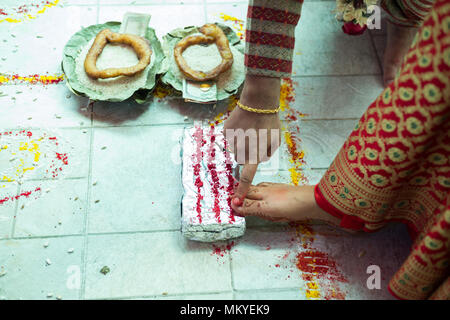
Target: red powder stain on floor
x=62, y=157
x=287, y=93
x=221, y=251
x=331, y=292
x=292, y=131
x=56, y=166
x=24, y=194
x=319, y=264
x=317, y=268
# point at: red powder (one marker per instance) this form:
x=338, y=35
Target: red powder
x=293, y=115
x=231, y=179
x=199, y=142
x=221, y=251
x=25, y=194
x=212, y=170
x=292, y=148
x=319, y=264
x=55, y=169
x=62, y=157
x=332, y=293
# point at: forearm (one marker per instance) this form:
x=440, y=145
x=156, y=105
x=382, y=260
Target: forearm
x=261, y=92
x=270, y=37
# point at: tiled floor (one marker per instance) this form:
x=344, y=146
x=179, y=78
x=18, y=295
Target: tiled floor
x=117, y=201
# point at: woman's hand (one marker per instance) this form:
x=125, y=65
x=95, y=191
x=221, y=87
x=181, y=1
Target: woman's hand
x=262, y=93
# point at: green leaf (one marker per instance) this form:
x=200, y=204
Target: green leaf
x=80, y=39
x=176, y=80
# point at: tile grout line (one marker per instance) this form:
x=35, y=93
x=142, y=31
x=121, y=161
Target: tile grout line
x=119, y=233
x=15, y=212
x=149, y=297
x=233, y=290
x=81, y=294
x=179, y=124
x=335, y=75
x=98, y=11
x=81, y=178
x=372, y=41
x=91, y=234
x=186, y=294
x=86, y=218
x=175, y=124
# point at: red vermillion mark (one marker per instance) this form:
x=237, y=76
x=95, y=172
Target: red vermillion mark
x=213, y=172
x=197, y=159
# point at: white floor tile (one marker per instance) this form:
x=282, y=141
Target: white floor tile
x=28, y=274
x=335, y=97
x=232, y=14
x=138, y=185
x=386, y=249
x=139, y=266
x=60, y=209
x=42, y=106
x=321, y=48
x=51, y=154
x=255, y=262
x=36, y=46
x=322, y=140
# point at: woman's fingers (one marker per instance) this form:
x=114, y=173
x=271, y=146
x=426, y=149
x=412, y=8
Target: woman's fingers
x=257, y=208
x=247, y=175
x=250, y=208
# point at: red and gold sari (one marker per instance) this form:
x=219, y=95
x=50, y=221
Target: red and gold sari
x=395, y=166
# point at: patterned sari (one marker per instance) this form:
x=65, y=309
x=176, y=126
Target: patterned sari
x=395, y=166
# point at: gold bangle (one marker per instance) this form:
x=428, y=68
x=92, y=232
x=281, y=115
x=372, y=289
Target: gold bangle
x=250, y=109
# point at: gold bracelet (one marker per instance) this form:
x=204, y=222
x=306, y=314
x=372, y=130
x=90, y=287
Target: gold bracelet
x=250, y=109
